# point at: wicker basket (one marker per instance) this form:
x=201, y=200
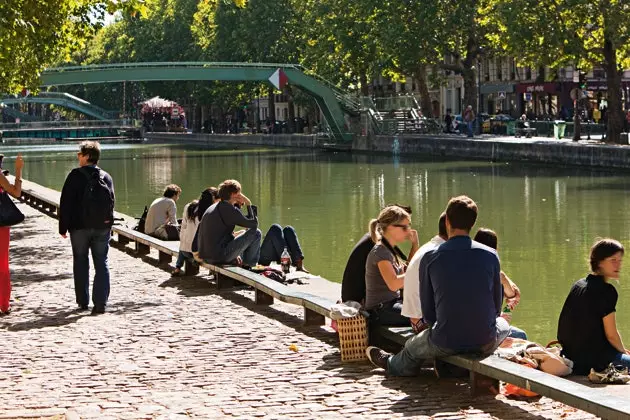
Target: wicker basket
x=353, y=338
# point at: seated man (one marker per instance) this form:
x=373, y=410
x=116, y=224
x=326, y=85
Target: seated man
x=353, y=282
x=460, y=295
x=411, y=307
x=163, y=212
x=216, y=241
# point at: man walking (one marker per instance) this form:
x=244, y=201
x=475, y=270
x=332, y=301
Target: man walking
x=469, y=119
x=461, y=296
x=86, y=211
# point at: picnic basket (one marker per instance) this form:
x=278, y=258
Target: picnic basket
x=353, y=338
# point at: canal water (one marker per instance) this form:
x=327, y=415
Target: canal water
x=546, y=217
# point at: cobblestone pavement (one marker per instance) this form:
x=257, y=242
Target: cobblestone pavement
x=177, y=348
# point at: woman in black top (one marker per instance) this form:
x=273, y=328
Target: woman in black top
x=587, y=328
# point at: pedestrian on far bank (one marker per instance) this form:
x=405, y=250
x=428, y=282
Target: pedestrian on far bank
x=162, y=215
x=469, y=119
x=86, y=211
x=448, y=121
x=193, y=212
x=15, y=190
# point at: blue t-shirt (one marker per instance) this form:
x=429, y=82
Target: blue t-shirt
x=461, y=294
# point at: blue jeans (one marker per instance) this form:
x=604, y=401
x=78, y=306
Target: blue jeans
x=97, y=241
x=469, y=126
x=276, y=240
x=622, y=359
x=182, y=257
x=246, y=246
x=420, y=347
x=516, y=332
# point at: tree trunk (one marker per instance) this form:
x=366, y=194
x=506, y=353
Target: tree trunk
x=272, y=105
x=614, y=112
x=470, y=89
x=365, y=88
x=291, y=102
x=423, y=87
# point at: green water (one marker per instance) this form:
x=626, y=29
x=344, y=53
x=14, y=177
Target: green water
x=546, y=217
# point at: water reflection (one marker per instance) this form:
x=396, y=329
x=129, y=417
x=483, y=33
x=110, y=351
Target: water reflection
x=546, y=217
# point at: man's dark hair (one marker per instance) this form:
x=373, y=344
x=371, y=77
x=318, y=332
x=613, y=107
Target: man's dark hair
x=602, y=249
x=402, y=206
x=461, y=213
x=442, y=226
x=229, y=187
x=487, y=237
x=172, y=190
x=91, y=149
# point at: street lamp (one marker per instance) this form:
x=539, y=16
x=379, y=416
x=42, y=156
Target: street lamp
x=479, y=103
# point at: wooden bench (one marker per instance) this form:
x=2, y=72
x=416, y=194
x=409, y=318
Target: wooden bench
x=316, y=308
x=592, y=399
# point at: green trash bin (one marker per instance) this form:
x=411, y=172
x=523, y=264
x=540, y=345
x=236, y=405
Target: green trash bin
x=559, y=127
x=511, y=128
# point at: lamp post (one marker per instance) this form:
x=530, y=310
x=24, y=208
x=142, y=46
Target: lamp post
x=479, y=102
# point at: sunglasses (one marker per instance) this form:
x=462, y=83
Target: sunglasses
x=403, y=227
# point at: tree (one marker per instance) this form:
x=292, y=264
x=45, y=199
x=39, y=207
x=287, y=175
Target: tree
x=582, y=33
x=36, y=33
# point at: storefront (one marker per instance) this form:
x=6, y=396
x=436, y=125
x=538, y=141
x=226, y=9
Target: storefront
x=597, y=93
x=539, y=99
x=498, y=98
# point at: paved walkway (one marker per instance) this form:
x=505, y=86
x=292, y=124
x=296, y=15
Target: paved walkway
x=177, y=348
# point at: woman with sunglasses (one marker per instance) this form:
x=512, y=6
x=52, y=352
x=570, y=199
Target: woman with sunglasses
x=384, y=269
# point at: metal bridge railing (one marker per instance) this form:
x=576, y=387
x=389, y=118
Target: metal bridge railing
x=67, y=124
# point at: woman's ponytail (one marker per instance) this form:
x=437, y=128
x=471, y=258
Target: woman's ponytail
x=372, y=228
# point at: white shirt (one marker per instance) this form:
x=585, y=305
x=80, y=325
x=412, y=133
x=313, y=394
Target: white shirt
x=187, y=232
x=162, y=211
x=411, y=299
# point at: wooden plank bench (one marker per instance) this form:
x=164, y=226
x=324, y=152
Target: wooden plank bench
x=316, y=308
x=593, y=399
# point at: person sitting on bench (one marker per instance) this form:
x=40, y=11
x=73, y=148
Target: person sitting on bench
x=411, y=307
x=193, y=212
x=587, y=328
x=461, y=299
x=276, y=240
x=216, y=240
x=384, y=269
x=163, y=213
x=353, y=282
x=511, y=292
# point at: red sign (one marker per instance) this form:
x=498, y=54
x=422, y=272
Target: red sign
x=279, y=79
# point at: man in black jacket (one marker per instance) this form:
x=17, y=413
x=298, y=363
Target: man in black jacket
x=86, y=211
x=217, y=242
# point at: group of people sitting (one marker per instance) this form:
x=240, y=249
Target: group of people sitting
x=207, y=230
x=454, y=292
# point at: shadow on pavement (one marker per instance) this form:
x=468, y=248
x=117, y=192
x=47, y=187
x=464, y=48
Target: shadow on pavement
x=42, y=318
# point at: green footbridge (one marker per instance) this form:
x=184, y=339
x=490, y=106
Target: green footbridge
x=65, y=100
x=334, y=103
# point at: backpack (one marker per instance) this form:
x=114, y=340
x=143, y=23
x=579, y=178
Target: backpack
x=98, y=201
x=142, y=221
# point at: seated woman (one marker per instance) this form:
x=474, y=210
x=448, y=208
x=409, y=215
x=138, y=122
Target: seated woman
x=511, y=292
x=587, y=328
x=276, y=240
x=384, y=269
x=192, y=217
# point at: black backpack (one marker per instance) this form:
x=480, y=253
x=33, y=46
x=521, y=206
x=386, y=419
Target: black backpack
x=142, y=221
x=98, y=200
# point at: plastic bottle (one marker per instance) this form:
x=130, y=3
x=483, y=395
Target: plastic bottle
x=285, y=261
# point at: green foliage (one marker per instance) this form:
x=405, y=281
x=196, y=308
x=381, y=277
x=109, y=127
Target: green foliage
x=36, y=33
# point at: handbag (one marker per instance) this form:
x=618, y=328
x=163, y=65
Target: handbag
x=9, y=213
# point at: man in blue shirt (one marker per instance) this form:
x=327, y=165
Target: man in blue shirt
x=461, y=298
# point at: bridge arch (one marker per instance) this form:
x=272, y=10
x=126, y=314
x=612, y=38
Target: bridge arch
x=63, y=99
x=332, y=102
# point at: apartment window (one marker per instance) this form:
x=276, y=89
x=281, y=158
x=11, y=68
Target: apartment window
x=599, y=74
x=528, y=73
